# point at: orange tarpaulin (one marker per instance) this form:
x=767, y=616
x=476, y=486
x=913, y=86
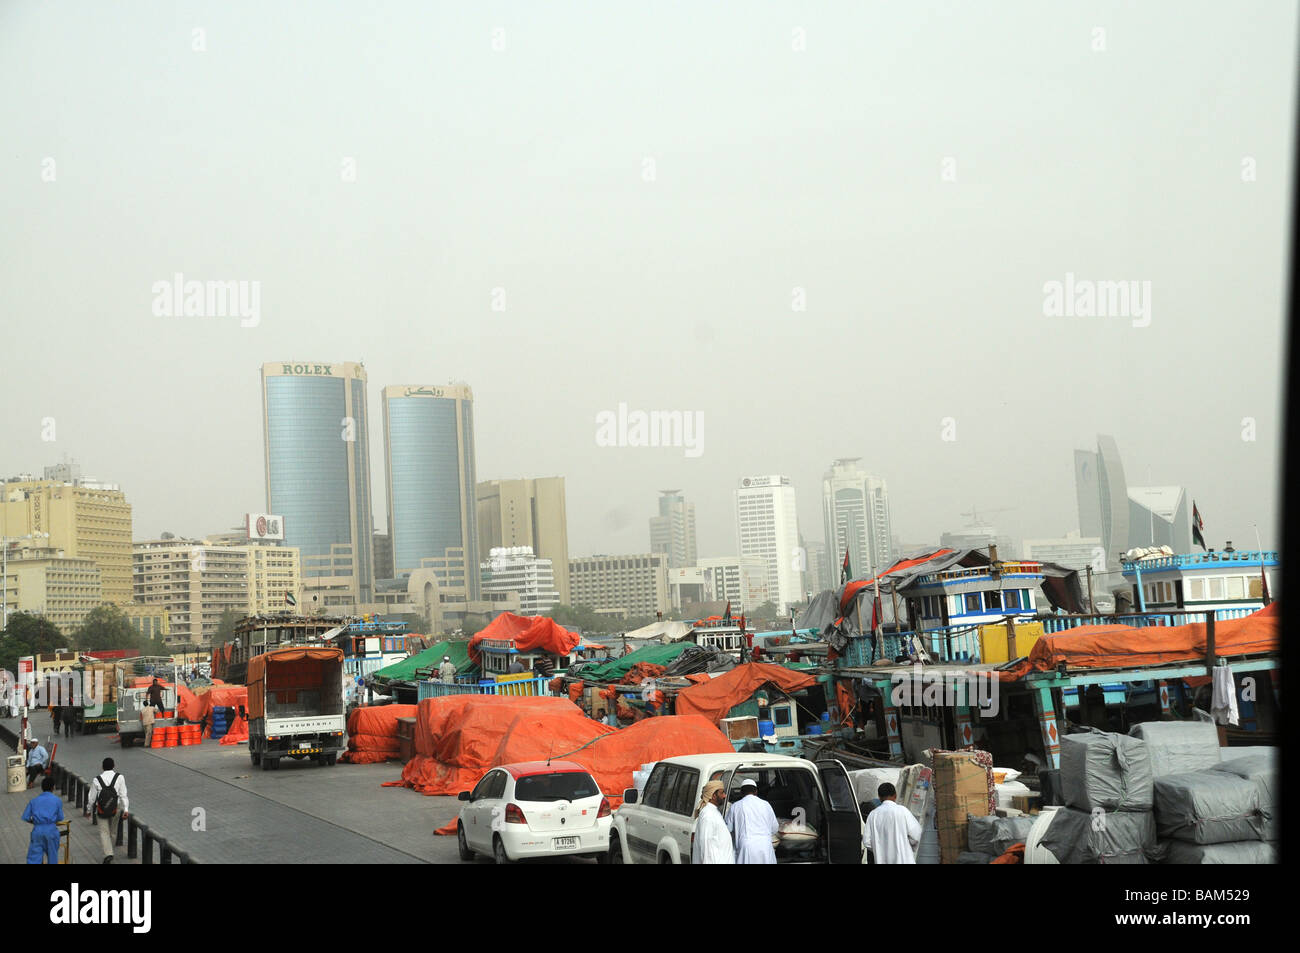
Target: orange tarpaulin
x=1123, y=646
x=188, y=705
x=372, y=733
x=458, y=738
x=237, y=732
x=712, y=700
x=853, y=588
x=528, y=633
x=613, y=755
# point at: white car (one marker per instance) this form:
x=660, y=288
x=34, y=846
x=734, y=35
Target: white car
x=534, y=809
x=815, y=803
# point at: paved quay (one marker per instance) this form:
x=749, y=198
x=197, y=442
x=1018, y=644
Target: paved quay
x=209, y=801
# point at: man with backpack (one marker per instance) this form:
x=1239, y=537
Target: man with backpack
x=108, y=796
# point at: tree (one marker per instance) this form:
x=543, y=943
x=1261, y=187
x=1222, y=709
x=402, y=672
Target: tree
x=225, y=627
x=107, y=627
x=28, y=634
x=766, y=613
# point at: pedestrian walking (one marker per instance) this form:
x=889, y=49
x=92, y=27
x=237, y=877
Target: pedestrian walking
x=891, y=833
x=43, y=812
x=109, y=803
x=753, y=823
x=56, y=716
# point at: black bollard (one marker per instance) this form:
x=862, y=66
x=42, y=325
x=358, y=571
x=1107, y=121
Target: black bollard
x=146, y=846
x=164, y=852
x=120, y=832
x=131, y=846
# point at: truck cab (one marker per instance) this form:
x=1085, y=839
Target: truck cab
x=820, y=818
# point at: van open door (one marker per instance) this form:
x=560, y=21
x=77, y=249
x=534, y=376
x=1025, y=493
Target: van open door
x=843, y=818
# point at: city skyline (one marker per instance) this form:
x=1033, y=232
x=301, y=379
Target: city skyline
x=814, y=231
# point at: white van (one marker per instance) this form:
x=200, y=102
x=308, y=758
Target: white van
x=814, y=800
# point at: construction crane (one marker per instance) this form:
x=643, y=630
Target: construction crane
x=974, y=515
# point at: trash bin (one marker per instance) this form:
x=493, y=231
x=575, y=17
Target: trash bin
x=17, y=774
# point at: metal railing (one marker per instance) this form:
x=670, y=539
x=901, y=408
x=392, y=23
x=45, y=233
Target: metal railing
x=1140, y=620
x=528, y=685
x=1254, y=557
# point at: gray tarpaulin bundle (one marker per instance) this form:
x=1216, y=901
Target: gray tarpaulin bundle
x=993, y=835
x=1100, y=770
x=1239, y=852
x=1260, y=770
x=1177, y=747
x=1208, y=807
x=1120, y=837
x=974, y=857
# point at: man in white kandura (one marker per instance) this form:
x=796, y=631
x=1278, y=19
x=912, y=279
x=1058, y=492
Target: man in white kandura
x=891, y=832
x=712, y=843
x=752, y=822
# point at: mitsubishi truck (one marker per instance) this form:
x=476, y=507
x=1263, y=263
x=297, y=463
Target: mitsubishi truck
x=295, y=706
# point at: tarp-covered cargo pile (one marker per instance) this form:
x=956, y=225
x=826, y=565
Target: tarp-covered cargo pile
x=1166, y=792
x=372, y=733
x=459, y=738
x=528, y=633
x=1114, y=646
x=406, y=670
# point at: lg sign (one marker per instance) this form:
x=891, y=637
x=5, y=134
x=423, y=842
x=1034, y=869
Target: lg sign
x=265, y=526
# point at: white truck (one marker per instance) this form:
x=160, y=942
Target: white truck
x=295, y=706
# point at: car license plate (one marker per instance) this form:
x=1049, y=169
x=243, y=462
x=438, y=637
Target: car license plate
x=562, y=842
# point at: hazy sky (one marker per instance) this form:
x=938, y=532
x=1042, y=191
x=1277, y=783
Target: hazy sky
x=920, y=170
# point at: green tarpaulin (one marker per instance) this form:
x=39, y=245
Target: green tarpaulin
x=615, y=669
x=404, y=671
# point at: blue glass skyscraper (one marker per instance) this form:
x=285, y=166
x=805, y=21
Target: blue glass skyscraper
x=316, y=438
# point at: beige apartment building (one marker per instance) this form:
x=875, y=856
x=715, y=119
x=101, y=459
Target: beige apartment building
x=44, y=581
x=527, y=513
x=629, y=587
x=195, y=581
x=84, y=519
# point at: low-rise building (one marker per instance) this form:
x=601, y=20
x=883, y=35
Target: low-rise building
x=519, y=569
x=44, y=581
x=633, y=586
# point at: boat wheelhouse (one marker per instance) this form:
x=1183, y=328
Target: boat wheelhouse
x=1164, y=581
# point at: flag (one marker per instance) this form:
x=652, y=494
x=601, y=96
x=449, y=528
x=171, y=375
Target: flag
x=289, y=599
x=1198, y=527
x=846, y=571
x=726, y=615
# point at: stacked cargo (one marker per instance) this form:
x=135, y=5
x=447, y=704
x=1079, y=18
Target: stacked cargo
x=1212, y=805
x=963, y=789
x=1107, y=786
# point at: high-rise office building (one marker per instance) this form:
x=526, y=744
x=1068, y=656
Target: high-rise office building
x=429, y=458
x=195, y=581
x=1160, y=516
x=383, y=544
x=816, y=574
x=628, y=587
x=84, y=519
x=1102, y=495
x=527, y=513
x=517, y=569
x=316, y=440
x=855, y=510
x=672, y=532
x=740, y=580
x=767, y=526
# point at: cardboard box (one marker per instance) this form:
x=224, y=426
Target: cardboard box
x=737, y=729
x=961, y=789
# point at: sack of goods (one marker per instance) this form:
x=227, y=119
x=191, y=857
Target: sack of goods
x=993, y=835
x=1238, y=852
x=1177, y=747
x=1260, y=770
x=1119, y=837
x=1208, y=807
x=1105, y=771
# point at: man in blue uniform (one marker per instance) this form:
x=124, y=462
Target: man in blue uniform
x=42, y=811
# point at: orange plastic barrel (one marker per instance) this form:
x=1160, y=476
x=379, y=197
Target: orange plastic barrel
x=169, y=736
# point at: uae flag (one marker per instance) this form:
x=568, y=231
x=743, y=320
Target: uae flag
x=726, y=616
x=289, y=599
x=846, y=571
x=1198, y=527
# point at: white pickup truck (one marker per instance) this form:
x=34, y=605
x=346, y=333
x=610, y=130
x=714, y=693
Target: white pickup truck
x=815, y=803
